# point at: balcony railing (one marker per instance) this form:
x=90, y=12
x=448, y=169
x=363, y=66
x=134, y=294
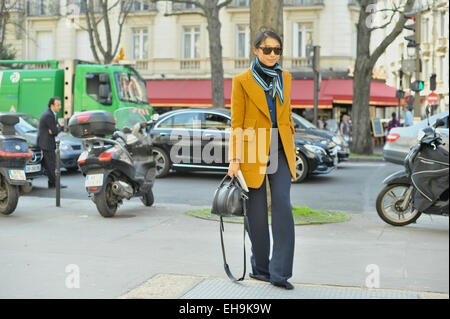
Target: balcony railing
x=239, y=4
x=142, y=6
x=303, y=2
x=41, y=8
x=78, y=6
x=183, y=6
x=241, y=63
x=190, y=64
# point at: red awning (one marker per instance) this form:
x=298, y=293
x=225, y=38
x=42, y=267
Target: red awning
x=197, y=93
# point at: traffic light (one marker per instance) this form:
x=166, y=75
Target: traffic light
x=433, y=82
x=416, y=86
x=413, y=39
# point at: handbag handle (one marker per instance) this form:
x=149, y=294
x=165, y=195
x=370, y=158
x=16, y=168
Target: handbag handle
x=225, y=264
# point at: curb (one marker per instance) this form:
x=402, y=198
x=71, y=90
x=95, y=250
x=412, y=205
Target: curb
x=354, y=159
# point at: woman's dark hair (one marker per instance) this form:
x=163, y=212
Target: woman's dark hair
x=52, y=101
x=263, y=35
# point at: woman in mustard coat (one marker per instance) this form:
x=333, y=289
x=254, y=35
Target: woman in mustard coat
x=262, y=144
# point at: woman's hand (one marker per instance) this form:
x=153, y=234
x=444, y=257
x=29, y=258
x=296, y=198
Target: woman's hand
x=234, y=168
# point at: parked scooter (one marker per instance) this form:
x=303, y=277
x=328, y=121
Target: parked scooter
x=14, y=155
x=118, y=167
x=423, y=188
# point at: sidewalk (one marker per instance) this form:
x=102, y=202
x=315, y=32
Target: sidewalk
x=159, y=252
x=169, y=286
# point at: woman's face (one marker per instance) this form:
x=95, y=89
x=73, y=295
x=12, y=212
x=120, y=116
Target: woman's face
x=268, y=59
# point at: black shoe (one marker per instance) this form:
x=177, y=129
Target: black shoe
x=259, y=277
x=286, y=285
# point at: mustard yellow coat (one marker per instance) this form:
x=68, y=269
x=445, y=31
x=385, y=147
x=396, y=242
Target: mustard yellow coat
x=251, y=127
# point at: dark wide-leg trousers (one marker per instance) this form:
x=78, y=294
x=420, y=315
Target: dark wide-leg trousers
x=279, y=267
x=49, y=163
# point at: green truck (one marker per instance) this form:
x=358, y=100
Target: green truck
x=81, y=86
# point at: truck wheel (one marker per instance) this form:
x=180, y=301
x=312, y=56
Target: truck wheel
x=148, y=199
x=162, y=162
x=9, y=196
x=105, y=200
x=301, y=168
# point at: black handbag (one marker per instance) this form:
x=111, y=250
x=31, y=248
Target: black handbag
x=230, y=200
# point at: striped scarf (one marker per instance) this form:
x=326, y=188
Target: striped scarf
x=276, y=85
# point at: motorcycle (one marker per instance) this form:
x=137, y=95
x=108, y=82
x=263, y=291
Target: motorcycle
x=423, y=187
x=14, y=155
x=118, y=167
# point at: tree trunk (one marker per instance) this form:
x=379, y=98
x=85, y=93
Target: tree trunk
x=265, y=15
x=362, y=142
x=215, y=51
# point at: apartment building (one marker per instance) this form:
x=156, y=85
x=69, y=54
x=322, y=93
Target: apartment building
x=434, y=46
x=169, y=45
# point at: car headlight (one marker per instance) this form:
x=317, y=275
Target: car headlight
x=64, y=147
x=315, y=149
x=337, y=140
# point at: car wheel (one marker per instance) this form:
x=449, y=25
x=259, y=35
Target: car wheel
x=162, y=162
x=301, y=168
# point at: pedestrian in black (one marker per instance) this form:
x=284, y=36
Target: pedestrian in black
x=48, y=129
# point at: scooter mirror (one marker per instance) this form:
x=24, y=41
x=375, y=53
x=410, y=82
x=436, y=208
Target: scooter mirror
x=155, y=117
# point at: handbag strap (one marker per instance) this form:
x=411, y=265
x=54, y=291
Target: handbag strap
x=225, y=264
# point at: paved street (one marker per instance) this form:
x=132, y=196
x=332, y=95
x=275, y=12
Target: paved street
x=72, y=252
x=352, y=187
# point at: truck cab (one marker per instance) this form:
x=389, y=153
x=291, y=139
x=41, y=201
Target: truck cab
x=81, y=86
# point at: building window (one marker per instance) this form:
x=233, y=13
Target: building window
x=242, y=3
x=243, y=41
x=191, y=42
x=139, y=5
x=303, y=40
x=44, y=46
x=84, y=51
x=139, y=44
x=444, y=25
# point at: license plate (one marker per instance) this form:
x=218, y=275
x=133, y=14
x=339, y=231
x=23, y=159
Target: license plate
x=94, y=180
x=32, y=168
x=17, y=174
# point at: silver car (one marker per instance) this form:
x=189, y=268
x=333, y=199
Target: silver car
x=400, y=139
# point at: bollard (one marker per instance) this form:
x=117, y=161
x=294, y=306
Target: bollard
x=58, y=176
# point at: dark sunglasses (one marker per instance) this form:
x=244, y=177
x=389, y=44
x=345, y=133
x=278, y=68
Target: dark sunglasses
x=268, y=50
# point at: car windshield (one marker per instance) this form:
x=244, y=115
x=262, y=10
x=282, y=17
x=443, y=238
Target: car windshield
x=27, y=124
x=304, y=122
x=130, y=88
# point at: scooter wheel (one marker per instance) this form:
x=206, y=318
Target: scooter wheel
x=389, y=202
x=148, y=199
x=9, y=196
x=105, y=200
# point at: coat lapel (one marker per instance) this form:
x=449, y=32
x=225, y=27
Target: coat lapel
x=256, y=93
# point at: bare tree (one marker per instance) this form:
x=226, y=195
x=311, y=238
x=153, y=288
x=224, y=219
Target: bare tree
x=5, y=19
x=265, y=15
x=98, y=16
x=209, y=9
x=365, y=61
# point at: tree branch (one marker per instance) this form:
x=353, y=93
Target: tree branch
x=392, y=36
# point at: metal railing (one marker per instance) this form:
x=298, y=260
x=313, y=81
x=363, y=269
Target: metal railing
x=142, y=6
x=303, y=2
x=37, y=8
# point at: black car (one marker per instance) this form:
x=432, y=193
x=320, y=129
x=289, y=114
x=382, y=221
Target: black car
x=181, y=137
x=302, y=125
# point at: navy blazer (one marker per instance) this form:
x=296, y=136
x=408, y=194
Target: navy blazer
x=45, y=140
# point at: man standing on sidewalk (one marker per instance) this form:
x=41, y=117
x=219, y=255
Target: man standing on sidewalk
x=48, y=129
